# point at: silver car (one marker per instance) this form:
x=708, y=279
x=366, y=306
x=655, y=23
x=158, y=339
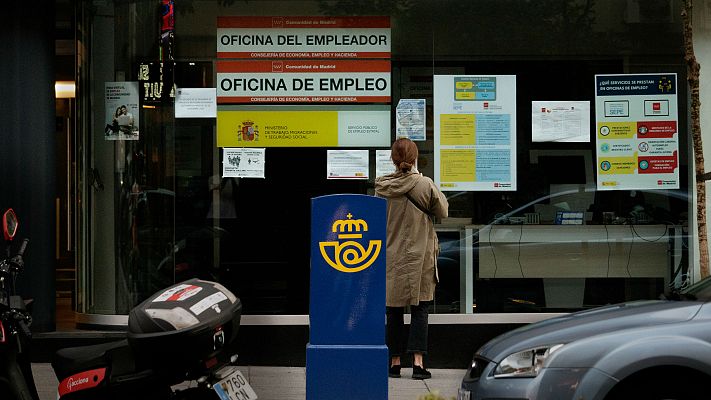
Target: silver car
x=657, y=349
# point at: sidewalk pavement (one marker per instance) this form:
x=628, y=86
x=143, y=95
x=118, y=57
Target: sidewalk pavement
x=289, y=383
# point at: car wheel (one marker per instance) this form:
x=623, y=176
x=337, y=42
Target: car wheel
x=661, y=384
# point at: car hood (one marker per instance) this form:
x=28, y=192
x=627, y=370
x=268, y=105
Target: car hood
x=567, y=328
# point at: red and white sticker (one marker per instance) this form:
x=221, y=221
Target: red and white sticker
x=81, y=381
x=178, y=293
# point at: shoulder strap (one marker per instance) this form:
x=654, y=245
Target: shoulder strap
x=419, y=207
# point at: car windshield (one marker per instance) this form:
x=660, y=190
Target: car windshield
x=700, y=290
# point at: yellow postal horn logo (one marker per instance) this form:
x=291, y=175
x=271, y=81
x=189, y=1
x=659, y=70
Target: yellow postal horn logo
x=349, y=255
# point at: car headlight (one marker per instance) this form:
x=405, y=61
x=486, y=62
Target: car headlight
x=525, y=363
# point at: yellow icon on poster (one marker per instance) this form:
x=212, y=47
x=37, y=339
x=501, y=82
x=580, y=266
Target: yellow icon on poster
x=349, y=255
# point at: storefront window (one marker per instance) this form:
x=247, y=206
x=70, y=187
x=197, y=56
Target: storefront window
x=167, y=213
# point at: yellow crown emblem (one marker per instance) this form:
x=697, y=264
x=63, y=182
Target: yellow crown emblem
x=349, y=225
x=349, y=255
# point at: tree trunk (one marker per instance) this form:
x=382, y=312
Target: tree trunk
x=693, y=79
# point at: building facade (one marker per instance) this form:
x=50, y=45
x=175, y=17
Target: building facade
x=558, y=129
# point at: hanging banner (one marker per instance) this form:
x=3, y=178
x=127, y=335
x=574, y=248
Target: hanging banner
x=637, y=131
x=121, y=105
x=475, y=132
x=282, y=37
x=284, y=126
x=317, y=81
x=167, y=30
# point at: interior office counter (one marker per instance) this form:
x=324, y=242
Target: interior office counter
x=573, y=251
x=564, y=251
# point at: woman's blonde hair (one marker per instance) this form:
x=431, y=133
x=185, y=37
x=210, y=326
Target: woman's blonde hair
x=404, y=154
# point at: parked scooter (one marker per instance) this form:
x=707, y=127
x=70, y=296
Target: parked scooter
x=179, y=346
x=16, y=381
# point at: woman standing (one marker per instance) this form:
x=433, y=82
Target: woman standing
x=412, y=248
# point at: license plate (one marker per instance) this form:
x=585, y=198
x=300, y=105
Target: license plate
x=233, y=386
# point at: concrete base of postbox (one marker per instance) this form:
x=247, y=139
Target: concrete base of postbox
x=346, y=372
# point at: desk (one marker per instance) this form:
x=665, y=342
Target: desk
x=562, y=255
x=573, y=251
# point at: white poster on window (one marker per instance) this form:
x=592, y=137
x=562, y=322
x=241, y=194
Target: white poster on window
x=560, y=121
x=243, y=163
x=637, y=131
x=410, y=119
x=347, y=164
x=475, y=132
x=196, y=103
x=383, y=163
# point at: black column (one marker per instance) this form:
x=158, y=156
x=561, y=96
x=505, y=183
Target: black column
x=28, y=165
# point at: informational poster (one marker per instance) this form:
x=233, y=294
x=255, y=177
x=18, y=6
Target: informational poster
x=196, y=103
x=291, y=37
x=475, y=132
x=303, y=81
x=383, y=163
x=347, y=164
x=243, y=163
x=284, y=126
x=122, y=117
x=410, y=119
x=637, y=131
x=560, y=121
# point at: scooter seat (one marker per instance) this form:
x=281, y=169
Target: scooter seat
x=71, y=360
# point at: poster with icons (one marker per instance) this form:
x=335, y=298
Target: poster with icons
x=637, y=131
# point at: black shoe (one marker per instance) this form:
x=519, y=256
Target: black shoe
x=420, y=373
x=394, y=371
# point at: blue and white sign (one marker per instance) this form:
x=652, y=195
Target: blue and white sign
x=346, y=357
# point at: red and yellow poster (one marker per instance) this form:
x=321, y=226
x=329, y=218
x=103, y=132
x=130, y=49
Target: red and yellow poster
x=637, y=132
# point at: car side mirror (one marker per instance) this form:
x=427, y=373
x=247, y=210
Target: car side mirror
x=9, y=224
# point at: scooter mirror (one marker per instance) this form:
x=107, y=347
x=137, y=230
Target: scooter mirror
x=9, y=224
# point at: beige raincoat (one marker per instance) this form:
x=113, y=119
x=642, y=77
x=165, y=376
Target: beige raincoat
x=412, y=245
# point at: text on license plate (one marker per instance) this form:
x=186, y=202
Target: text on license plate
x=234, y=387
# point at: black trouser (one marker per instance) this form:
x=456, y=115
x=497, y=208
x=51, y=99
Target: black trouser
x=395, y=332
